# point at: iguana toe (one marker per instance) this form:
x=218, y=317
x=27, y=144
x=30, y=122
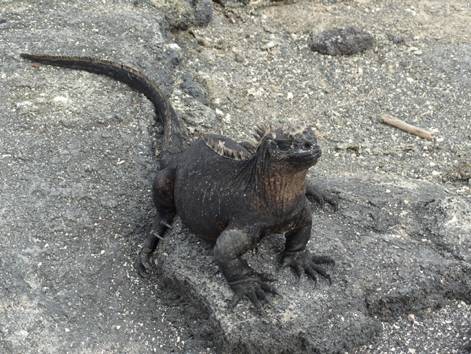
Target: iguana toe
x=143, y=264
x=253, y=289
x=322, y=260
x=310, y=264
x=322, y=197
x=143, y=273
x=266, y=277
x=333, y=200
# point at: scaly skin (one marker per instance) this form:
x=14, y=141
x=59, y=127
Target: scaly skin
x=227, y=192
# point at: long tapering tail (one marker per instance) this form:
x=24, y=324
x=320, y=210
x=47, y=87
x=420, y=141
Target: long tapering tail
x=174, y=138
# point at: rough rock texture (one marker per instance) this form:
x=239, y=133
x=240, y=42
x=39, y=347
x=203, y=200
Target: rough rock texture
x=341, y=41
x=386, y=268
x=446, y=330
x=76, y=161
x=183, y=14
x=194, y=88
x=260, y=69
x=232, y=3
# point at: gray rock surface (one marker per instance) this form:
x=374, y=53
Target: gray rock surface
x=232, y=3
x=446, y=330
x=194, y=88
x=76, y=161
x=183, y=14
x=341, y=41
x=77, y=157
x=385, y=269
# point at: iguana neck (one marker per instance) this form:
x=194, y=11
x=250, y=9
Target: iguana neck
x=275, y=188
x=281, y=190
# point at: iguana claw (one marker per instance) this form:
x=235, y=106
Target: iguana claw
x=143, y=264
x=254, y=289
x=310, y=264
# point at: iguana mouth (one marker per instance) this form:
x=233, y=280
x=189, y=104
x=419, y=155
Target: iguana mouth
x=314, y=153
x=306, y=156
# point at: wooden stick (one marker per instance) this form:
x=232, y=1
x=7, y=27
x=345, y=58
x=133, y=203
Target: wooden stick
x=411, y=129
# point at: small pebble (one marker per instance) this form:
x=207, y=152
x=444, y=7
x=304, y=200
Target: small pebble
x=268, y=45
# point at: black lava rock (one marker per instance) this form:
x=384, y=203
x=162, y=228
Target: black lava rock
x=183, y=14
x=194, y=89
x=341, y=41
x=396, y=39
x=203, y=12
x=232, y=3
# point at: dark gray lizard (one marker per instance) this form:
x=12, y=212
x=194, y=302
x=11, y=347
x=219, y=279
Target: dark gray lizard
x=227, y=192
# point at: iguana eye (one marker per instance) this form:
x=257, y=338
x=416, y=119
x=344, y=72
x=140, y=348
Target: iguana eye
x=283, y=144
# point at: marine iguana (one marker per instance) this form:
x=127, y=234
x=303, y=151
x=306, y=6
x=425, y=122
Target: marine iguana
x=227, y=192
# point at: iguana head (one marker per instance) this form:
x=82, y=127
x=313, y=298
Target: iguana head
x=291, y=148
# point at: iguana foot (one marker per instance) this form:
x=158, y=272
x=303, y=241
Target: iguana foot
x=321, y=197
x=254, y=288
x=305, y=262
x=143, y=263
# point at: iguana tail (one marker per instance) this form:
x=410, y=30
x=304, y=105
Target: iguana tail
x=174, y=138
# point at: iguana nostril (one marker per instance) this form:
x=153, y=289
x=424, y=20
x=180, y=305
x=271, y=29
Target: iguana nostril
x=307, y=145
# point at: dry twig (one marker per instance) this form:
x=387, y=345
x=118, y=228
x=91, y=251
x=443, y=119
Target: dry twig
x=411, y=129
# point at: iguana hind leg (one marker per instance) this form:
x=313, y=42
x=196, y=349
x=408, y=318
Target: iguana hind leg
x=244, y=281
x=160, y=225
x=164, y=202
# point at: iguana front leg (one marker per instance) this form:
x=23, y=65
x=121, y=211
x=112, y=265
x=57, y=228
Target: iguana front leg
x=321, y=196
x=244, y=281
x=298, y=258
